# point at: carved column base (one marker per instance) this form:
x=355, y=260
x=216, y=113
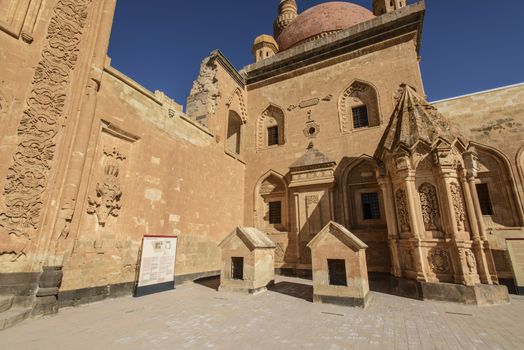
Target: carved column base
x=482, y=263
x=47, y=296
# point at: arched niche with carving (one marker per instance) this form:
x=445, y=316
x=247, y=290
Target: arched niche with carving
x=496, y=188
x=236, y=102
x=429, y=198
x=358, y=107
x=364, y=211
x=271, y=203
x=270, y=128
x=235, y=136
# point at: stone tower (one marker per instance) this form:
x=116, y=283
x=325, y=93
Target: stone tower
x=381, y=7
x=287, y=12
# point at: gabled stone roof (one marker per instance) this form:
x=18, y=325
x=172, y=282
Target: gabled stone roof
x=413, y=121
x=252, y=237
x=311, y=159
x=342, y=233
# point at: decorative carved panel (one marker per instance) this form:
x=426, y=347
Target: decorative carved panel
x=458, y=204
x=439, y=260
x=402, y=210
x=407, y=260
x=27, y=178
x=471, y=261
x=108, y=192
x=430, y=207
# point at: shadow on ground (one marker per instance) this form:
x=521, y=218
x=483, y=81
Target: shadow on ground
x=296, y=290
x=209, y=282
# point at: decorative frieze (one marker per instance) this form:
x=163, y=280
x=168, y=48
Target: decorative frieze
x=28, y=176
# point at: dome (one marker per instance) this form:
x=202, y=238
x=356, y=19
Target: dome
x=322, y=19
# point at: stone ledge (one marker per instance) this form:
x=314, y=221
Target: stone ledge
x=342, y=301
x=481, y=294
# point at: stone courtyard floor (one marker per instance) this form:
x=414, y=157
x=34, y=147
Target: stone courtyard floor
x=197, y=317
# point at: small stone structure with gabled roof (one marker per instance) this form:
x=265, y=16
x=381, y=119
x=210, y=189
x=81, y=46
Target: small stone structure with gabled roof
x=340, y=274
x=248, y=261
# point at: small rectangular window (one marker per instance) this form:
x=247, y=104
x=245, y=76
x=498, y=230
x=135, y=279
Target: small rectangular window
x=370, y=206
x=272, y=136
x=484, y=199
x=237, y=268
x=275, y=213
x=360, y=117
x=337, y=272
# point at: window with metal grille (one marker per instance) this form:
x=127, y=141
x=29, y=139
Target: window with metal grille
x=484, y=199
x=360, y=117
x=272, y=136
x=337, y=272
x=237, y=268
x=275, y=213
x=370, y=206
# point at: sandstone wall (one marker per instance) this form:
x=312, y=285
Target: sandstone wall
x=176, y=179
x=310, y=97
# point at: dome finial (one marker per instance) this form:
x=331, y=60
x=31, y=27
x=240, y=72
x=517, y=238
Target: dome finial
x=287, y=12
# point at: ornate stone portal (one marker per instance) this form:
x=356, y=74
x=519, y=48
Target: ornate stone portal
x=416, y=134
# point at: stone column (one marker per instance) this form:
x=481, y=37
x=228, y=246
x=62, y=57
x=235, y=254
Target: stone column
x=391, y=219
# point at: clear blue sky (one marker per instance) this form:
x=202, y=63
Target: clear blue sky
x=468, y=45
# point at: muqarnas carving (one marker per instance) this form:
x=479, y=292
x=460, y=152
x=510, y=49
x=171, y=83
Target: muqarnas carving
x=108, y=192
x=28, y=176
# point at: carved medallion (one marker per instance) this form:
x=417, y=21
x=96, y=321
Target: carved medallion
x=439, y=260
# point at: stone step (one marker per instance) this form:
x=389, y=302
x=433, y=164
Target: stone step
x=13, y=316
x=5, y=303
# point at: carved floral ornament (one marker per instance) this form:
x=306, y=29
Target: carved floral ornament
x=458, y=204
x=108, y=192
x=27, y=177
x=430, y=207
x=402, y=209
x=439, y=260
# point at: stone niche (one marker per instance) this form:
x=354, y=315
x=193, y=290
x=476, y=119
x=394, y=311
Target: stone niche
x=340, y=274
x=248, y=261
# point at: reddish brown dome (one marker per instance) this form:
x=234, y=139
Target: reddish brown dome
x=322, y=19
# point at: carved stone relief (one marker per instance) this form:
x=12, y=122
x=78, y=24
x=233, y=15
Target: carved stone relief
x=439, y=260
x=204, y=94
x=430, y=207
x=402, y=209
x=27, y=177
x=471, y=261
x=279, y=252
x=108, y=192
x=458, y=204
x=239, y=97
x=407, y=259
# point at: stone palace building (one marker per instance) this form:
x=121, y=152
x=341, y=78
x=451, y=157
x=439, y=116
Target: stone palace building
x=330, y=123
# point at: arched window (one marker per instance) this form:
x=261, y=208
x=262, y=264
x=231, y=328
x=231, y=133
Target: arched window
x=234, y=133
x=270, y=128
x=358, y=107
x=271, y=198
x=495, y=189
x=365, y=213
